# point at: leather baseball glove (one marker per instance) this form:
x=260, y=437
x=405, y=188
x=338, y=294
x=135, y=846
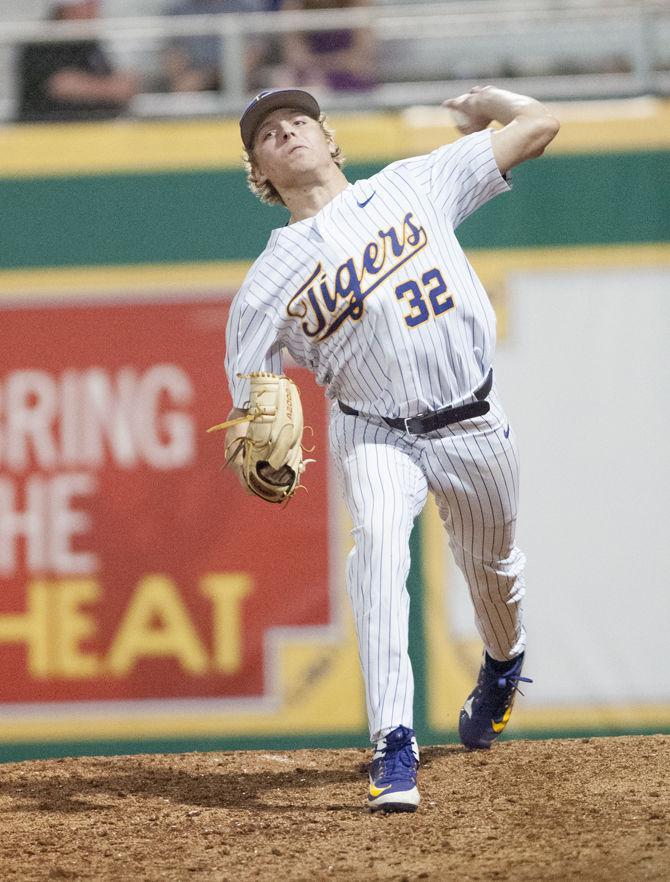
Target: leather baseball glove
x=272, y=460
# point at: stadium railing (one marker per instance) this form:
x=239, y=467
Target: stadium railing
x=553, y=50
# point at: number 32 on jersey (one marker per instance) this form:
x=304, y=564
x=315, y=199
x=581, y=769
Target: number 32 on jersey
x=432, y=290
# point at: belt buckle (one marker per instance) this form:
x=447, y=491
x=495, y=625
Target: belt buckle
x=406, y=421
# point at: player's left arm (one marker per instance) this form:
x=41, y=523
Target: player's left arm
x=528, y=126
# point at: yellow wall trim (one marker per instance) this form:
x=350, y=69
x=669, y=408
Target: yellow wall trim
x=82, y=283
x=140, y=146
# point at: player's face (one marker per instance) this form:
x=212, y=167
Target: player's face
x=289, y=147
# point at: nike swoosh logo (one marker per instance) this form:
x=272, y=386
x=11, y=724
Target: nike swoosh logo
x=377, y=791
x=467, y=707
x=506, y=432
x=498, y=727
x=363, y=204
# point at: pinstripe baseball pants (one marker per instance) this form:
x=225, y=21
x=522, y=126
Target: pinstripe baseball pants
x=472, y=469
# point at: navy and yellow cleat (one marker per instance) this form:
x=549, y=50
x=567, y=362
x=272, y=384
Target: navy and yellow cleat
x=393, y=773
x=488, y=708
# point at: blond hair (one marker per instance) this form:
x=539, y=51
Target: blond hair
x=265, y=190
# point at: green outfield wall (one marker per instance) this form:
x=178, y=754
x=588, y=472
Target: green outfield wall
x=191, y=216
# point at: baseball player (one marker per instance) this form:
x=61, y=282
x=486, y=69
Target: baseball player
x=368, y=287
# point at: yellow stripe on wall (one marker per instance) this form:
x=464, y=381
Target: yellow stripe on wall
x=87, y=282
x=140, y=146
x=494, y=263
x=491, y=266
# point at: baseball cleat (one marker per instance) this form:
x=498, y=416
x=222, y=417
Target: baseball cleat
x=393, y=773
x=487, y=709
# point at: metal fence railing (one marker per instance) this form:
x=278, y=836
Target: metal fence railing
x=554, y=49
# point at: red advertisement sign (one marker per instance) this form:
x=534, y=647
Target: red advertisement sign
x=130, y=565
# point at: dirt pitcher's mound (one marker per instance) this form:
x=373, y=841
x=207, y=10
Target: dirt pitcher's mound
x=525, y=811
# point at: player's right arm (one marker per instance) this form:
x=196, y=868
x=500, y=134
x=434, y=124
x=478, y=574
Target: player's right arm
x=528, y=126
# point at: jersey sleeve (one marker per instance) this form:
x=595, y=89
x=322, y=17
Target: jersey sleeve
x=462, y=176
x=252, y=344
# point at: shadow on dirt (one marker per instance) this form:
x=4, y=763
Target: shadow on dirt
x=447, y=751
x=272, y=792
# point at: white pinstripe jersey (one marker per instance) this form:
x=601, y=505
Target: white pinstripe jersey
x=374, y=293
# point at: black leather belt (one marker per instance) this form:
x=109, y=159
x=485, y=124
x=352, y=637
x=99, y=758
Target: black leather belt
x=438, y=419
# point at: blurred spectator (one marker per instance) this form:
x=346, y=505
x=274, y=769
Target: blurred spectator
x=341, y=60
x=193, y=64
x=71, y=80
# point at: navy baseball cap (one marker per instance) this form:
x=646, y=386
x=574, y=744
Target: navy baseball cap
x=272, y=99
